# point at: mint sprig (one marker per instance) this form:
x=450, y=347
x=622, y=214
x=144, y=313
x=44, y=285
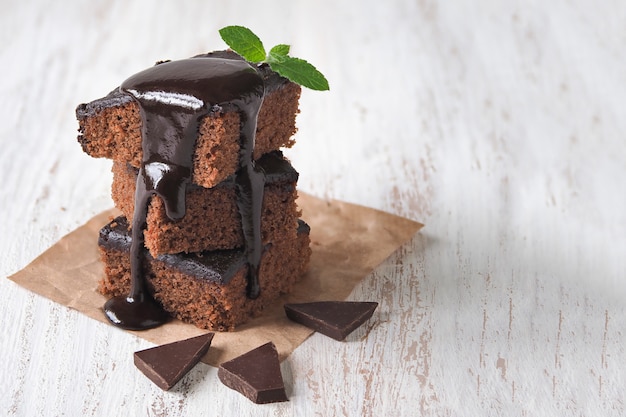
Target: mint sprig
x=244, y=42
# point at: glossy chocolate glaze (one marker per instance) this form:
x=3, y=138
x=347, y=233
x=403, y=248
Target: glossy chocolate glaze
x=272, y=80
x=173, y=98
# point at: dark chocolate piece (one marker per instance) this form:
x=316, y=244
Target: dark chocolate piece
x=256, y=375
x=165, y=365
x=335, y=319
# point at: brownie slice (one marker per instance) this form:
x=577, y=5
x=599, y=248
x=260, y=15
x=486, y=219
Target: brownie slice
x=110, y=127
x=212, y=220
x=206, y=289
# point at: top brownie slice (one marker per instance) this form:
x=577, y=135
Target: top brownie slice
x=110, y=127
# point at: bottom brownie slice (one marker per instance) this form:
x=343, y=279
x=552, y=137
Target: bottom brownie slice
x=207, y=289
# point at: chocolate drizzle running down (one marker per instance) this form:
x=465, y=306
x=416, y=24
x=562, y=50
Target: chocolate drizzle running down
x=173, y=98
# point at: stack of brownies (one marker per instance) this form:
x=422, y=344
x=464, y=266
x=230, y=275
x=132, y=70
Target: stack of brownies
x=196, y=265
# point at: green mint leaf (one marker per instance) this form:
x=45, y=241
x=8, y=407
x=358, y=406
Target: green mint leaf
x=299, y=71
x=279, y=50
x=243, y=41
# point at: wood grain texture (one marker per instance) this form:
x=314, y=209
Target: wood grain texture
x=498, y=124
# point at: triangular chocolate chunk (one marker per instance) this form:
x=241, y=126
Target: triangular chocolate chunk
x=165, y=365
x=335, y=319
x=256, y=375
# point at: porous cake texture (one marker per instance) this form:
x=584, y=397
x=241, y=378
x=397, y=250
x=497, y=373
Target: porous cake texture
x=212, y=220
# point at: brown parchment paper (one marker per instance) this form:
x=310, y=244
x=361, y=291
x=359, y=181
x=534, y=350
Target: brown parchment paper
x=348, y=242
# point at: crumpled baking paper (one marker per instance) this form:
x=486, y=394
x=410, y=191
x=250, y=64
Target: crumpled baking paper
x=348, y=242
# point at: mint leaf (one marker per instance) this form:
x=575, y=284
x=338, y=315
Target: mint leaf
x=299, y=71
x=243, y=41
x=279, y=50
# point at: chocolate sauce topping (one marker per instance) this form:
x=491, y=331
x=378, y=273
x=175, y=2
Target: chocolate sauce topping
x=173, y=98
x=272, y=80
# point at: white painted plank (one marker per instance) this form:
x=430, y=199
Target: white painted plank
x=499, y=124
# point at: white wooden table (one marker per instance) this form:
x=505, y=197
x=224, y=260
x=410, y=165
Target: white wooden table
x=498, y=124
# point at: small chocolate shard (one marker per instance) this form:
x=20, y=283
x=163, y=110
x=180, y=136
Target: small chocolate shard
x=256, y=375
x=336, y=319
x=165, y=365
